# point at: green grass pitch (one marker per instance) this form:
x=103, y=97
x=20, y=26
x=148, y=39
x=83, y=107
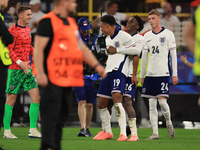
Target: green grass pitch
x=184, y=139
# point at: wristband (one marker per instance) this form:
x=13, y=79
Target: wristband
x=186, y=62
x=18, y=61
x=96, y=65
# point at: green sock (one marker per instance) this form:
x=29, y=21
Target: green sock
x=33, y=114
x=7, y=116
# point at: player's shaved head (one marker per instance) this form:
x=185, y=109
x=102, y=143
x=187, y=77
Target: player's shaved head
x=23, y=8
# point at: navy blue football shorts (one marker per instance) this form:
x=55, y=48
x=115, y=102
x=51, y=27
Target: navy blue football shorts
x=113, y=83
x=155, y=87
x=88, y=92
x=129, y=89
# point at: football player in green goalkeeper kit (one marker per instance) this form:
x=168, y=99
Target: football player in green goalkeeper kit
x=20, y=75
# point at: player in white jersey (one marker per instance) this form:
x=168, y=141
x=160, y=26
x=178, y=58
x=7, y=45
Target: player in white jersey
x=112, y=87
x=160, y=43
x=134, y=25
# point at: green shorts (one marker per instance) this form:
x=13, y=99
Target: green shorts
x=17, y=80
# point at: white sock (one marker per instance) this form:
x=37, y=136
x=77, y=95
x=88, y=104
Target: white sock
x=121, y=117
x=6, y=131
x=165, y=110
x=153, y=115
x=103, y=127
x=105, y=118
x=132, y=126
x=102, y=124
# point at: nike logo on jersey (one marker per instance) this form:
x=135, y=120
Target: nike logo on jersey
x=23, y=35
x=149, y=41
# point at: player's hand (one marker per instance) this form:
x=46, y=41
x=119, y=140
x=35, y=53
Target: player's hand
x=174, y=80
x=111, y=50
x=25, y=67
x=101, y=70
x=183, y=58
x=142, y=80
x=134, y=80
x=42, y=79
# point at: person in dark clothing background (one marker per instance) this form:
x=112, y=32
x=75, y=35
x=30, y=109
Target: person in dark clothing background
x=5, y=39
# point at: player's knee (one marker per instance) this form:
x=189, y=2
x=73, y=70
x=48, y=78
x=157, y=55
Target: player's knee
x=102, y=105
x=127, y=101
x=117, y=97
x=82, y=103
x=102, y=102
x=89, y=105
x=36, y=99
x=11, y=99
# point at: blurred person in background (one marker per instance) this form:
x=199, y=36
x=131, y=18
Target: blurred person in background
x=192, y=38
x=112, y=9
x=152, y=4
x=167, y=16
x=5, y=39
x=37, y=14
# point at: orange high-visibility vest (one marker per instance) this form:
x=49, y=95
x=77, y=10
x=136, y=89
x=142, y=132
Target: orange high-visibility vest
x=64, y=62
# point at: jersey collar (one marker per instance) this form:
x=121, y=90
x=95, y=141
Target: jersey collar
x=160, y=31
x=116, y=32
x=19, y=26
x=134, y=34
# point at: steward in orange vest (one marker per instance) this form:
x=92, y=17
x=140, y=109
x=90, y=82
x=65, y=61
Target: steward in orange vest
x=64, y=62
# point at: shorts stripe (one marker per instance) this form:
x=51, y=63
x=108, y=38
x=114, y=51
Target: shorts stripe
x=148, y=96
x=115, y=91
x=105, y=96
x=162, y=95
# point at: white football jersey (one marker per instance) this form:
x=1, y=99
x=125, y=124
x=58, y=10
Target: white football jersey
x=137, y=38
x=119, y=61
x=159, y=46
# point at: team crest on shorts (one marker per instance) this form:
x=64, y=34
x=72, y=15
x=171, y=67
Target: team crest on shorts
x=12, y=87
x=143, y=90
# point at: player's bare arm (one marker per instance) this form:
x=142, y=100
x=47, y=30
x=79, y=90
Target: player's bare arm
x=40, y=44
